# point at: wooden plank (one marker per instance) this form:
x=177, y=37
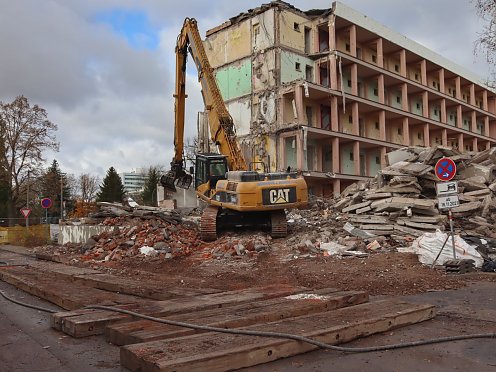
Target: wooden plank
x=221, y=352
x=67, y=295
x=113, y=283
x=236, y=316
x=86, y=325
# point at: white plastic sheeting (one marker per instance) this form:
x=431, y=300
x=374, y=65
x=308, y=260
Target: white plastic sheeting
x=428, y=246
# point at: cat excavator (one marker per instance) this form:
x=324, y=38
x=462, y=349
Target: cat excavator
x=236, y=196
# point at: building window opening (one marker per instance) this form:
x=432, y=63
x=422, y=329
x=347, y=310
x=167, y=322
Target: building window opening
x=347, y=46
x=323, y=41
x=296, y=26
x=297, y=66
x=324, y=76
x=377, y=125
x=374, y=58
x=325, y=117
x=396, y=68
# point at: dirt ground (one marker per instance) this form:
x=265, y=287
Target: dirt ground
x=381, y=273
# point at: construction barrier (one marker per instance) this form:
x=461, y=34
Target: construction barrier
x=25, y=236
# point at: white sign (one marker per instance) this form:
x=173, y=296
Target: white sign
x=446, y=188
x=447, y=202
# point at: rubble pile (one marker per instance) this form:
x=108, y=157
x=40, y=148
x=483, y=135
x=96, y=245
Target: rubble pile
x=138, y=230
x=401, y=200
x=134, y=236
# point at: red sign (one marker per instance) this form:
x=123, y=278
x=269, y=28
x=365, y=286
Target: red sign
x=445, y=169
x=26, y=212
x=46, y=203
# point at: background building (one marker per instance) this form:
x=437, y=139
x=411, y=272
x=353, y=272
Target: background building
x=330, y=91
x=134, y=181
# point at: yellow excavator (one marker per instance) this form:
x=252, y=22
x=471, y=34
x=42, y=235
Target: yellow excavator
x=236, y=196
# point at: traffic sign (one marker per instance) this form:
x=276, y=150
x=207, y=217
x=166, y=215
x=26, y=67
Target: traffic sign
x=447, y=202
x=26, y=212
x=445, y=169
x=46, y=203
x=446, y=188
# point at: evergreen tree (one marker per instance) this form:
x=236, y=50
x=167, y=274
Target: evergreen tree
x=149, y=193
x=112, y=189
x=54, y=185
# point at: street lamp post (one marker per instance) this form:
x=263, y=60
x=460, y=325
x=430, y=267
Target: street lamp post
x=62, y=195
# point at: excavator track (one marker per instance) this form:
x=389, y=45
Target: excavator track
x=278, y=224
x=208, y=224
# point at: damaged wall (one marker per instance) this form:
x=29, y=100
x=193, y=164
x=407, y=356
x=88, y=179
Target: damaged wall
x=240, y=111
x=234, y=80
x=229, y=45
x=292, y=30
x=264, y=70
x=263, y=31
x=294, y=66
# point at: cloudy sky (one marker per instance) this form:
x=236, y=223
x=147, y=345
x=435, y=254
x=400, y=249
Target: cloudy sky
x=104, y=69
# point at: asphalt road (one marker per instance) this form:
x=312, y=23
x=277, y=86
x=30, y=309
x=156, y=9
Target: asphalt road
x=27, y=343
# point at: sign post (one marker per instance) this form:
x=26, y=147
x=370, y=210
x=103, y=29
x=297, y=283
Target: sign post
x=45, y=204
x=447, y=195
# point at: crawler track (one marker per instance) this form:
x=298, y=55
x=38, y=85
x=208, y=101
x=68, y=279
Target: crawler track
x=208, y=224
x=278, y=224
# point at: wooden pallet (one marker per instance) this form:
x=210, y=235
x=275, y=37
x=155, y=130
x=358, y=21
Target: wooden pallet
x=222, y=352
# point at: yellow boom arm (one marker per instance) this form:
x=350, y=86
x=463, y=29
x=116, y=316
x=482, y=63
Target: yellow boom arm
x=222, y=129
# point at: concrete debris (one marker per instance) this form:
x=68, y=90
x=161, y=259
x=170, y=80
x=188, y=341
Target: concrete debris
x=402, y=199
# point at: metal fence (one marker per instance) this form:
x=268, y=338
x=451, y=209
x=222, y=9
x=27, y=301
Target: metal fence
x=4, y=221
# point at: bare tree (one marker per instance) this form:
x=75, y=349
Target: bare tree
x=26, y=133
x=87, y=187
x=486, y=42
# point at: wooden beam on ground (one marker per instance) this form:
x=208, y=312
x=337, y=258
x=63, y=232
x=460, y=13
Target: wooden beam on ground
x=95, y=323
x=222, y=352
x=113, y=283
x=65, y=294
x=235, y=316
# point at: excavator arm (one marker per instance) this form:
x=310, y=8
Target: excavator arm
x=222, y=129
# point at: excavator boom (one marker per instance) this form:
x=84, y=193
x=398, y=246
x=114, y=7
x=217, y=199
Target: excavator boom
x=222, y=129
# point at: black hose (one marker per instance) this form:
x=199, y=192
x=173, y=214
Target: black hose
x=295, y=337
x=27, y=305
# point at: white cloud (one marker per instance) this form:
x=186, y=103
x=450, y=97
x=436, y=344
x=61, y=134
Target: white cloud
x=113, y=103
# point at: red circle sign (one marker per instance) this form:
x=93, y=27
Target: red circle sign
x=46, y=203
x=445, y=169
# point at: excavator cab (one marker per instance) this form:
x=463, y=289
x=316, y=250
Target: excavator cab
x=210, y=168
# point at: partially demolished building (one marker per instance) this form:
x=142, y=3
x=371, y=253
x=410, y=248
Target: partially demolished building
x=330, y=91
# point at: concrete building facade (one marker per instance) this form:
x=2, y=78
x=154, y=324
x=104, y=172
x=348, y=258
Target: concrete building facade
x=330, y=91
x=133, y=181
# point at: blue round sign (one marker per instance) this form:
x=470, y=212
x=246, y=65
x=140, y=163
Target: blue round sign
x=445, y=169
x=46, y=203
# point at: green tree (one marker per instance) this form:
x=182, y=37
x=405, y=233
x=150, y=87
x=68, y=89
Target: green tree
x=112, y=189
x=26, y=133
x=56, y=186
x=149, y=193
